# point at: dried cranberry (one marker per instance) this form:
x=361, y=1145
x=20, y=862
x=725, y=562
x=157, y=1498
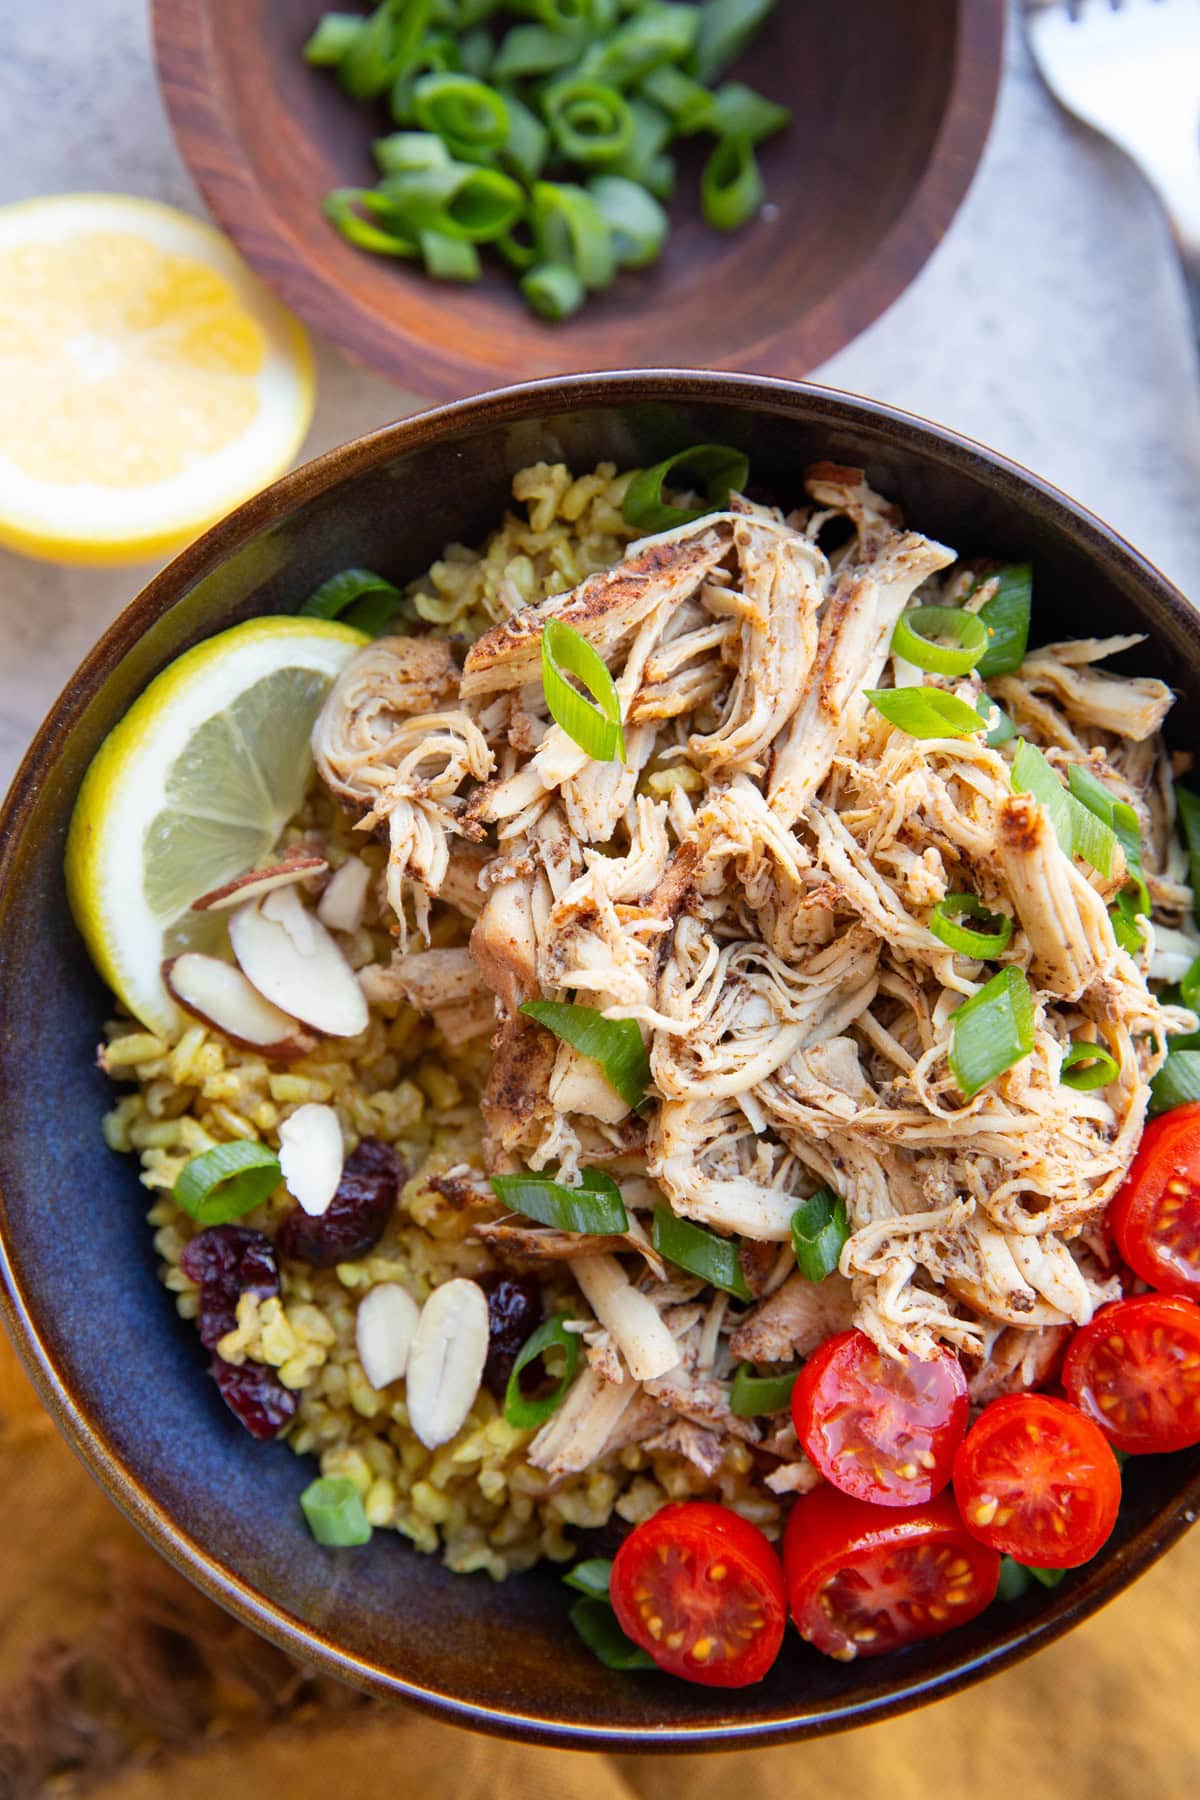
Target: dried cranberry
x=225, y=1262
x=354, y=1220
x=514, y=1314
x=255, y=1395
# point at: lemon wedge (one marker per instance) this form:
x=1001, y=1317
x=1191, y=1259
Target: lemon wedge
x=150, y=382
x=192, y=788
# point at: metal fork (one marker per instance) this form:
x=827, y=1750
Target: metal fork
x=1131, y=70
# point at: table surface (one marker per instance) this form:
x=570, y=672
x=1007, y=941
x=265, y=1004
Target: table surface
x=1050, y=323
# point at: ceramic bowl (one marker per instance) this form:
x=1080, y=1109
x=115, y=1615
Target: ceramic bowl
x=124, y=1378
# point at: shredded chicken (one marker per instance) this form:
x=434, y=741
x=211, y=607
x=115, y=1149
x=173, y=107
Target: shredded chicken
x=754, y=886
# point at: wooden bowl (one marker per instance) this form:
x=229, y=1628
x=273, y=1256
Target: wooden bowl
x=125, y=1378
x=892, y=105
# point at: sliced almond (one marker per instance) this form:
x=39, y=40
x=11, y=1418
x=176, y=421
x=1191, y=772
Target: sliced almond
x=285, y=906
x=384, y=1328
x=445, y=1363
x=318, y=987
x=297, y=865
x=220, y=995
x=344, y=901
x=311, y=1154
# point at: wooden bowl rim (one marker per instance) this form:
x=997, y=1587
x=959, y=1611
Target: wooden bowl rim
x=888, y=1693
x=183, y=44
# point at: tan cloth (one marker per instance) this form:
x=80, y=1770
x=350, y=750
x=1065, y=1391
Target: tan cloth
x=1110, y=1713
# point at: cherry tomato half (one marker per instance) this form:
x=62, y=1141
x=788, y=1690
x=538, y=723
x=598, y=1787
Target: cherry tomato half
x=1155, y=1218
x=863, y=1580
x=880, y=1428
x=701, y=1590
x=1135, y=1371
x=1034, y=1478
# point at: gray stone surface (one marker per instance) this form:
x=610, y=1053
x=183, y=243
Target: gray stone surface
x=1050, y=323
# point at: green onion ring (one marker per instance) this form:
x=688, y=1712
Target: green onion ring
x=714, y=1259
x=752, y=1395
x=223, y=1183
x=591, y=122
x=731, y=185
x=553, y=290
x=462, y=110
x=991, y=1031
x=925, y=712
x=594, y=1208
x=984, y=944
x=722, y=470
x=616, y=1044
x=334, y=1510
x=526, y=1414
x=634, y=217
x=375, y=602
x=594, y=725
x=341, y=209
x=1086, y=1066
x=820, y=1228
x=916, y=631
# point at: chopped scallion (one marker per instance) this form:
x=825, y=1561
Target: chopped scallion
x=616, y=1044
x=714, y=1259
x=721, y=470
x=591, y=1577
x=223, y=1183
x=334, y=1510
x=731, y=185
x=1187, y=805
x=820, y=1228
x=358, y=597
x=739, y=111
x=920, y=634
x=590, y=122
x=1177, y=1082
x=751, y=1395
x=1000, y=727
x=634, y=217
x=991, y=1031
x=988, y=941
x=596, y=1623
x=925, y=712
x=553, y=290
x=594, y=1208
x=522, y=1412
x=726, y=27
x=1005, y=618
x=332, y=39
x=1086, y=1065
x=595, y=724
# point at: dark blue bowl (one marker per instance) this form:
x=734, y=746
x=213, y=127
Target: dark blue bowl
x=124, y=1379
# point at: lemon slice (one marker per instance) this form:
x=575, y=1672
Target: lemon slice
x=150, y=382
x=192, y=788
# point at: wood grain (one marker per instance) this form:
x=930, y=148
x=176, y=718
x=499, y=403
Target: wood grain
x=891, y=106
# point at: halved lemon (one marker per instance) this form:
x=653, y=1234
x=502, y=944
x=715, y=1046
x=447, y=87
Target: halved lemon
x=150, y=382
x=192, y=788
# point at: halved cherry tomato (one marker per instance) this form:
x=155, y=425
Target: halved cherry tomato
x=1036, y=1479
x=1155, y=1218
x=880, y=1428
x=863, y=1580
x=701, y=1590
x=1135, y=1370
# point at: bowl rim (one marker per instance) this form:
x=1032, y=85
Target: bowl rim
x=219, y=1582
x=188, y=69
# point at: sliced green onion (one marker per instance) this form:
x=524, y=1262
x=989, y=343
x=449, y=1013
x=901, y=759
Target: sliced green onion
x=726, y=28
x=751, y=1394
x=461, y=109
x=1005, y=617
x=561, y=15
x=918, y=630
x=925, y=712
x=527, y=145
x=438, y=54
x=364, y=599
x=1189, y=987
x=739, y=111
x=594, y=1208
x=1123, y=916
x=571, y=230
x=657, y=34
x=532, y=50
x=1188, y=807
x=334, y=1511
x=714, y=1259
x=460, y=200
x=1177, y=1082
x=402, y=151
x=635, y=219
x=449, y=258
x=596, y=1623
x=332, y=39
x=723, y=472
x=990, y=941
x=1032, y=774
x=594, y=725
x=1048, y=1578
x=223, y=1183
x=476, y=50
x=344, y=207
x=652, y=131
x=991, y=1031
x=1014, y=1579
x=687, y=103
x=591, y=1577
x=660, y=177
x=590, y=122
x=1000, y=727
x=1091, y=838
x=731, y=185
x=1120, y=819
x=521, y=1412
x=616, y=1044
x=1086, y=1066
x=819, y=1231
x=553, y=290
